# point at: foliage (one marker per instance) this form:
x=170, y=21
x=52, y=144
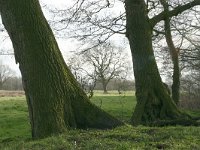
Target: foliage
x=15, y=134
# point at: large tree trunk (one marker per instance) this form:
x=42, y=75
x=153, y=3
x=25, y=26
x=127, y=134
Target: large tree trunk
x=55, y=101
x=153, y=101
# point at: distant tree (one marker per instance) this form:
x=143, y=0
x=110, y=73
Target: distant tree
x=13, y=83
x=86, y=78
x=122, y=85
x=5, y=74
x=190, y=85
x=189, y=59
x=103, y=63
x=191, y=76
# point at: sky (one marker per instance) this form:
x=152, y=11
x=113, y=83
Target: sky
x=66, y=46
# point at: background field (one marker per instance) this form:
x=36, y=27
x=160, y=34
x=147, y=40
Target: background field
x=15, y=129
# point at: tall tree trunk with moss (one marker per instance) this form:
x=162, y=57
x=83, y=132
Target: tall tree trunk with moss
x=153, y=101
x=55, y=100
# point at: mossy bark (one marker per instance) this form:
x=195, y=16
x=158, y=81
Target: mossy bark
x=153, y=101
x=55, y=100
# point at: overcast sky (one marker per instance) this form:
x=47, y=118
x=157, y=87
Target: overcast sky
x=65, y=45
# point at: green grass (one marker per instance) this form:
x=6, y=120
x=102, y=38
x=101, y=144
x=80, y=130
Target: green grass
x=118, y=106
x=13, y=118
x=15, y=130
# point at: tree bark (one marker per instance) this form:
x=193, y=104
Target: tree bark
x=104, y=84
x=55, y=101
x=176, y=79
x=153, y=101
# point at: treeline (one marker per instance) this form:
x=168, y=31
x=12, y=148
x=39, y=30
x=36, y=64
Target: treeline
x=117, y=84
x=13, y=84
x=8, y=78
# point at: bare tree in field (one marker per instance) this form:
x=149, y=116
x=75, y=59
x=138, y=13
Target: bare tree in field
x=84, y=75
x=107, y=63
x=103, y=63
x=5, y=74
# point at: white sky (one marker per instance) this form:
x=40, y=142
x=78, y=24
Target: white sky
x=65, y=45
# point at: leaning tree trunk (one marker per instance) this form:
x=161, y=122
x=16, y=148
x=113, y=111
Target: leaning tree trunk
x=153, y=101
x=55, y=101
x=174, y=52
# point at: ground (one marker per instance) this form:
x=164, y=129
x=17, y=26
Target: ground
x=15, y=130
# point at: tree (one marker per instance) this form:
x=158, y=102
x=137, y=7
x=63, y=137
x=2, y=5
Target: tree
x=98, y=21
x=13, y=83
x=153, y=100
x=191, y=86
x=104, y=63
x=174, y=52
x=55, y=101
x=5, y=74
x=85, y=78
x=191, y=77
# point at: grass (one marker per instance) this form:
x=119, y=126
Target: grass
x=15, y=130
x=114, y=93
x=13, y=118
x=118, y=106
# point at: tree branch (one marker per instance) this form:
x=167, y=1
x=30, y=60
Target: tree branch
x=176, y=11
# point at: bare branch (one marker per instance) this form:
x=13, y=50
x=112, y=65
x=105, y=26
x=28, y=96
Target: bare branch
x=176, y=11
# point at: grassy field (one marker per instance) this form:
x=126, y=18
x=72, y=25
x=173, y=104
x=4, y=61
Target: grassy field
x=15, y=130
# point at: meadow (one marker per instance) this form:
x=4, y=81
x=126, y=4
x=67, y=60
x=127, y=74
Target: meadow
x=15, y=130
